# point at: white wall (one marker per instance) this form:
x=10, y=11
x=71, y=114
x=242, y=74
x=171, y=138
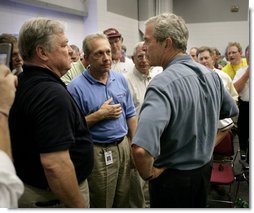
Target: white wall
x=212, y=34
x=126, y=26
x=14, y=15
x=218, y=34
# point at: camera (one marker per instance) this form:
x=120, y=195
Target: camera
x=6, y=54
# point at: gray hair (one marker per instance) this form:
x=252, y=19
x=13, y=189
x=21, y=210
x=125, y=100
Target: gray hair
x=234, y=44
x=89, y=38
x=170, y=25
x=74, y=48
x=38, y=31
x=136, y=46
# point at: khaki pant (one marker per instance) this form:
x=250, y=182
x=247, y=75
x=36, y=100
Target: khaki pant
x=137, y=192
x=38, y=198
x=109, y=184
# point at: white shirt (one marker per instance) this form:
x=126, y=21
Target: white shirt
x=11, y=187
x=155, y=71
x=138, y=83
x=244, y=94
x=227, y=123
x=76, y=69
x=123, y=67
x=228, y=83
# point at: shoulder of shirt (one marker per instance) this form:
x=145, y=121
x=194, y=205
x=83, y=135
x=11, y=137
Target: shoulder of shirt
x=223, y=74
x=227, y=66
x=244, y=61
x=240, y=72
x=128, y=59
x=76, y=80
x=116, y=74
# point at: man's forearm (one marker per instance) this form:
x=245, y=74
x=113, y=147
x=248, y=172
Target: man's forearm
x=239, y=85
x=143, y=161
x=5, y=136
x=132, y=126
x=93, y=118
x=67, y=190
x=62, y=181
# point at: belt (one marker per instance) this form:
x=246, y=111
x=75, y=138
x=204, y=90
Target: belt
x=116, y=142
x=169, y=170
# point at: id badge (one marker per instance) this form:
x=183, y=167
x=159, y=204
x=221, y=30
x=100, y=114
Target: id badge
x=108, y=157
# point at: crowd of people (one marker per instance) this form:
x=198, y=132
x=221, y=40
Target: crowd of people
x=98, y=129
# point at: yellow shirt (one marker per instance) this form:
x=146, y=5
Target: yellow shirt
x=231, y=69
x=76, y=69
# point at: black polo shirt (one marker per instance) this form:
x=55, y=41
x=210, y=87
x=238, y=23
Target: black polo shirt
x=44, y=118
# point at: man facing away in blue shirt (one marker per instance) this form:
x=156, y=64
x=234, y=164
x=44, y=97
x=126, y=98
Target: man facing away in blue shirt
x=175, y=137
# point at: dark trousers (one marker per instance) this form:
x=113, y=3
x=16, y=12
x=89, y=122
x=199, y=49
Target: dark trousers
x=243, y=125
x=181, y=189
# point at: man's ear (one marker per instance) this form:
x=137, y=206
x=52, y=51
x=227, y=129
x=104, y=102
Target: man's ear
x=86, y=57
x=132, y=57
x=168, y=43
x=42, y=54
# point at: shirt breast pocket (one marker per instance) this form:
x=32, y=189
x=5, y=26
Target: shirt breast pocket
x=120, y=98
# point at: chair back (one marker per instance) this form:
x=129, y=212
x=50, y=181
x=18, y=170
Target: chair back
x=226, y=146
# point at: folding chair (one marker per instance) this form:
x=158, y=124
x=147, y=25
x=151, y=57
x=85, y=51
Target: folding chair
x=244, y=174
x=223, y=168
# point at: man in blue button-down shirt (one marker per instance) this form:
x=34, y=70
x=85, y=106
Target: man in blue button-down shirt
x=105, y=100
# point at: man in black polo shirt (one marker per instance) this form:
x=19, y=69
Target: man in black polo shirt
x=52, y=147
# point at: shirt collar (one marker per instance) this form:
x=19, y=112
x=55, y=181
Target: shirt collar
x=42, y=72
x=179, y=59
x=141, y=75
x=92, y=80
